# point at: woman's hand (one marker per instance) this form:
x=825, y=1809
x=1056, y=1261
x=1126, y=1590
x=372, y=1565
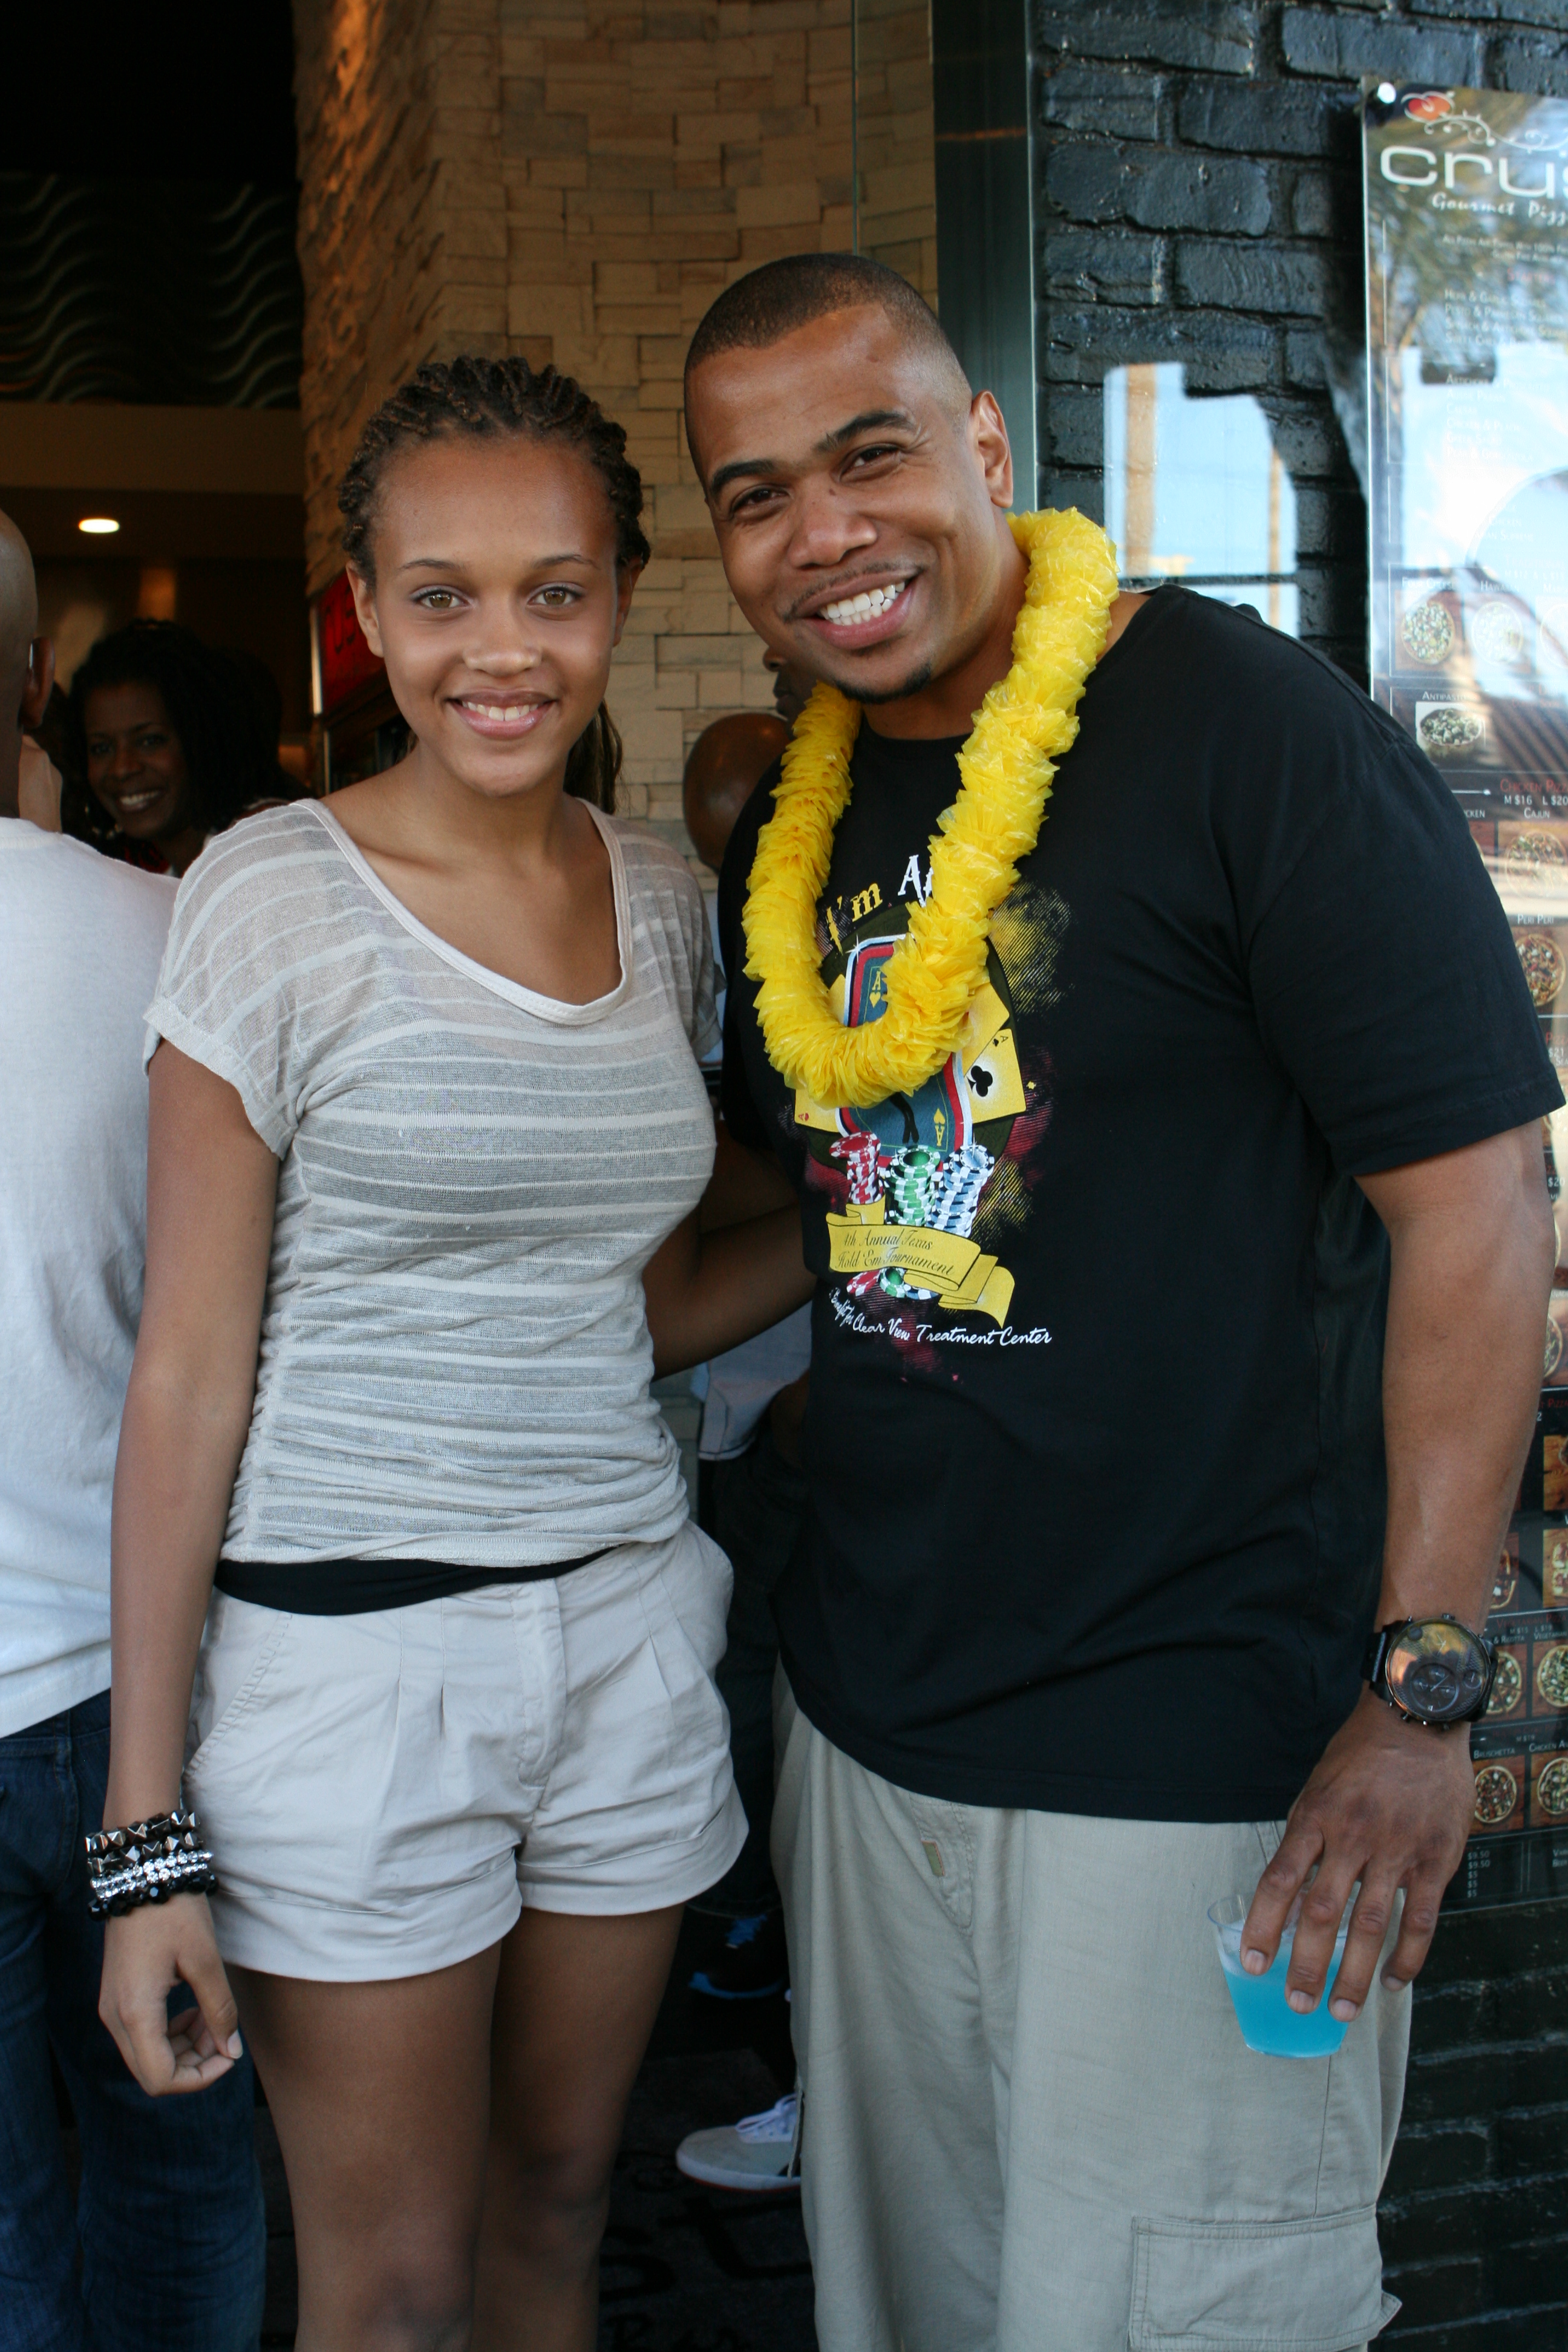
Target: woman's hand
x=146, y=1953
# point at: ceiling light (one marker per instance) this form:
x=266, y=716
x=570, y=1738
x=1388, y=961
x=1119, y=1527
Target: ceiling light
x=98, y=526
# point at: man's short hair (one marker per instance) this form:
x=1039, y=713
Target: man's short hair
x=771, y=302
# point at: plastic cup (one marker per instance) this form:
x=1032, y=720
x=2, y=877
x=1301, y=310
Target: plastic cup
x=1269, y=2023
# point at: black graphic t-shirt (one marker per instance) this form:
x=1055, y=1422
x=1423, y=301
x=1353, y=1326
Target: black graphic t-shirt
x=1094, y=1440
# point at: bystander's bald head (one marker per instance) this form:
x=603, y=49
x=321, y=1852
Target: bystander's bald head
x=21, y=701
x=18, y=604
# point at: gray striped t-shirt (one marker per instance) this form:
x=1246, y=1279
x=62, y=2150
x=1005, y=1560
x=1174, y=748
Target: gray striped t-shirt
x=454, y=1362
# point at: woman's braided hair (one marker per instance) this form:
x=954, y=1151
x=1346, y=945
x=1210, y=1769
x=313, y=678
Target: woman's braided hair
x=486, y=396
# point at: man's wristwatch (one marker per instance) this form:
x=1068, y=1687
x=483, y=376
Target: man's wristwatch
x=1431, y=1670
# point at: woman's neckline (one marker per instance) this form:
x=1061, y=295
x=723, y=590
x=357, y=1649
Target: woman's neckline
x=547, y=1008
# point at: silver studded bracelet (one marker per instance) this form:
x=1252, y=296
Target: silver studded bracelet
x=147, y=1862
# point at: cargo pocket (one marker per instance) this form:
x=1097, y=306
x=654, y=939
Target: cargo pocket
x=1258, y=2286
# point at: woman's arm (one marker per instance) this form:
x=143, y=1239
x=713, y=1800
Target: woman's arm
x=744, y=1183
x=708, y=1291
x=211, y=1189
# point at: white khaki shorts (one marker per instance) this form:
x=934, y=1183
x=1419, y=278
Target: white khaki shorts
x=382, y=1793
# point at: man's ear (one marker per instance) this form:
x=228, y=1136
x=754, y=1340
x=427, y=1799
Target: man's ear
x=39, y=682
x=988, y=439
x=364, y=610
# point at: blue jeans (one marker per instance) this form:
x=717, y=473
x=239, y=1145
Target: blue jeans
x=168, y=2221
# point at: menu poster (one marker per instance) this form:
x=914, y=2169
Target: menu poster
x=1467, y=222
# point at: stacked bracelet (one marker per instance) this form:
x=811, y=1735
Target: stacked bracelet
x=148, y=1862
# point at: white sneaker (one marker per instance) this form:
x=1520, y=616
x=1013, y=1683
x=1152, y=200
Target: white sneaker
x=759, y=2152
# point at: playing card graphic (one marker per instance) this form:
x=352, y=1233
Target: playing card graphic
x=915, y=1168
x=936, y=1117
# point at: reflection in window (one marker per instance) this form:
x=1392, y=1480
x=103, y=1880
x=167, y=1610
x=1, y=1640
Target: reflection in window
x=1194, y=491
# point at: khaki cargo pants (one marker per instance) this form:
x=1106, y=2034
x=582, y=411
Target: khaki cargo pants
x=1030, y=2122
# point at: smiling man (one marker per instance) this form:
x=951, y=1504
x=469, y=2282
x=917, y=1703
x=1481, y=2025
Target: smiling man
x=1171, y=1169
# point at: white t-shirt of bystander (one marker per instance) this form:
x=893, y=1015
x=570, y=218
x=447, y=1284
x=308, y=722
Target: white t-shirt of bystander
x=83, y=937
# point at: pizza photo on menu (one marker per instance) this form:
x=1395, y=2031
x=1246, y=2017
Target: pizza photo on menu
x=1507, y=1685
x=1552, y=1677
x=1500, y=1793
x=1554, y=1568
x=1531, y=860
x=1549, y=1792
x=1553, y=1473
x=1446, y=729
x=1427, y=633
x=1544, y=965
x=1499, y=630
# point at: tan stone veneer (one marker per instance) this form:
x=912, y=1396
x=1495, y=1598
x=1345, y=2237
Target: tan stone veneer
x=575, y=180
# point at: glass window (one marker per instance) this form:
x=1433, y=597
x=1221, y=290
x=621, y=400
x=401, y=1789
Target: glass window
x=1194, y=491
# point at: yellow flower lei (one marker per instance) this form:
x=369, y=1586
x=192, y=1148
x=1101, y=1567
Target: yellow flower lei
x=1023, y=728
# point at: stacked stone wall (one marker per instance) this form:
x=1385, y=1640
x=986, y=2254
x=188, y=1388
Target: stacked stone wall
x=576, y=180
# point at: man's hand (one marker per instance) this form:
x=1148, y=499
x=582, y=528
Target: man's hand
x=147, y=1952
x=1390, y=1804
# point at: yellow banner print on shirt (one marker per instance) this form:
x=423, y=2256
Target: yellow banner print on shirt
x=957, y=1270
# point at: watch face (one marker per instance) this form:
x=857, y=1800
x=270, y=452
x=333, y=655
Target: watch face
x=1436, y=1672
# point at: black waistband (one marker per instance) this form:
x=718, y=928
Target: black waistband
x=349, y=1588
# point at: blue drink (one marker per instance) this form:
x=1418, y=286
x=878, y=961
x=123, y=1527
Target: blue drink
x=1267, y=2022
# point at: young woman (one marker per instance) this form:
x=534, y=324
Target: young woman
x=424, y=1111
x=167, y=741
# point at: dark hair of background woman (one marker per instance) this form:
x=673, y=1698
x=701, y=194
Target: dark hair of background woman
x=485, y=397
x=226, y=731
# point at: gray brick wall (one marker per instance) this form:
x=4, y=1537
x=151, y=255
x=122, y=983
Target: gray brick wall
x=1198, y=198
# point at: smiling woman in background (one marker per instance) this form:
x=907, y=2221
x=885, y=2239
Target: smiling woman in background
x=167, y=744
